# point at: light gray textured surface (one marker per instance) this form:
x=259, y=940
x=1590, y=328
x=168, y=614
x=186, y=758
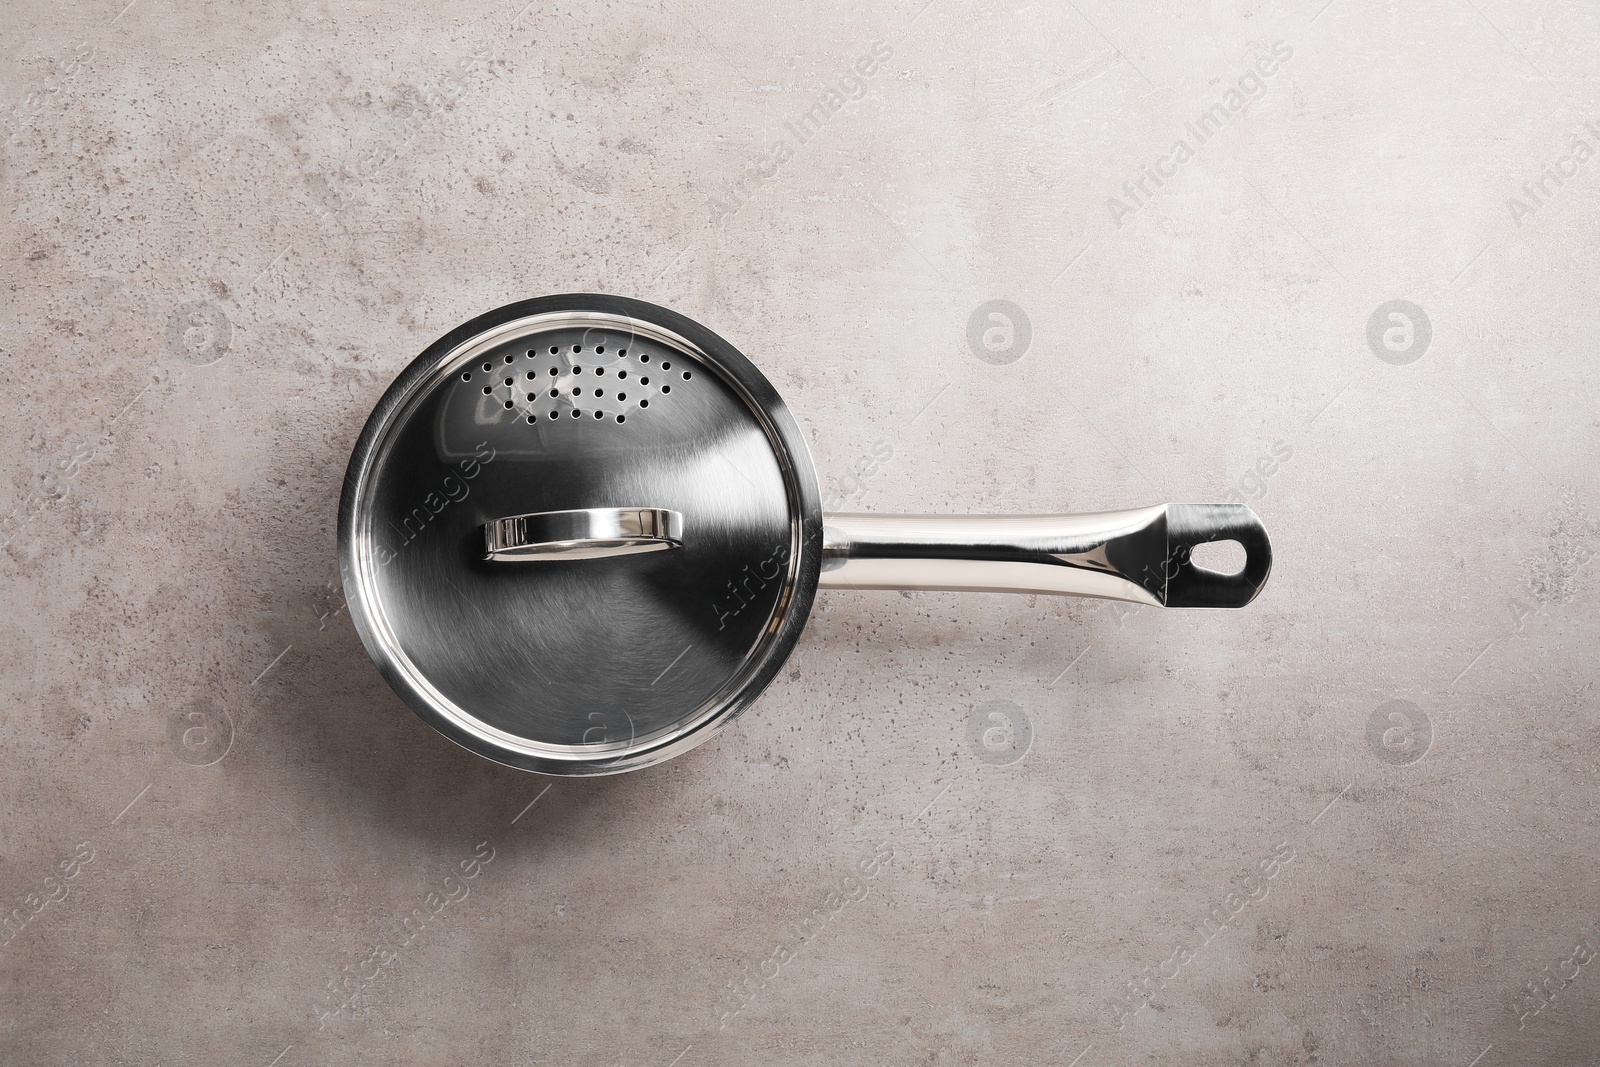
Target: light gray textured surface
x=226, y=228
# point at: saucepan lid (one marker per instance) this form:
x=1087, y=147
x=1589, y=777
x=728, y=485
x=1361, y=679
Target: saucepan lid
x=579, y=533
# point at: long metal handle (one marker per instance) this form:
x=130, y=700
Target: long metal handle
x=1142, y=555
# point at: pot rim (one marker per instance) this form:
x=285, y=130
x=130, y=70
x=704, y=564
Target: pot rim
x=356, y=562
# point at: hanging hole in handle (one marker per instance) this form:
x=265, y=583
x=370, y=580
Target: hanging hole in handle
x=1220, y=557
x=1192, y=529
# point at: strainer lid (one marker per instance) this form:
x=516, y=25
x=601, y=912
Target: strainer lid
x=580, y=533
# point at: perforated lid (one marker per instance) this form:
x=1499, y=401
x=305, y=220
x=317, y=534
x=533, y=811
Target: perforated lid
x=610, y=660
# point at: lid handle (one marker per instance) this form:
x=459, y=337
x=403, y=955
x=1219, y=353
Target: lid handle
x=588, y=533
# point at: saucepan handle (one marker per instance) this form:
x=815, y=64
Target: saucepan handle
x=1142, y=556
x=1191, y=525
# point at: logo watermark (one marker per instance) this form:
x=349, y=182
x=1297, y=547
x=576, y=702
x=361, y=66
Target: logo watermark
x=999, y=733
x=1251, y=889
x=1250, y=87
x=999, y=332
x=1540, y=993
x=200, y=734
x=853, y=485
x=1539, y=191
x=1399, y=733
x=854, y=886
x=1252, y=485
x=850, y=86
x=199, y=332
x=54, y=890
x=452, y=490
x=344, y=988
x=1399, y=332
x=743, y=590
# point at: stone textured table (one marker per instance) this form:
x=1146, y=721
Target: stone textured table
x=1334, y=260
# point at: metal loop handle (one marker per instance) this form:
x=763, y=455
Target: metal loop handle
x=589, y=533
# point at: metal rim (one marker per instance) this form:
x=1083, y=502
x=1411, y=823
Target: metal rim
x=789, y=617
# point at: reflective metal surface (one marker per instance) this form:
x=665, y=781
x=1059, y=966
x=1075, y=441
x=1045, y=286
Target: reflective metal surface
x=580, y=666
x=1141, y=556
x=592, y=434
x=587, y=533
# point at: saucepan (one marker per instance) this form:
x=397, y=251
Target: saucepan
x=580, y=534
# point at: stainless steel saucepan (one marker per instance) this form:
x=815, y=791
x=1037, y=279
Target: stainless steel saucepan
x=580, y=534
